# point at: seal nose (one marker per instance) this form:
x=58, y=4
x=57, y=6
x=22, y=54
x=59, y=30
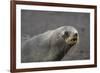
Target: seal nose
x=75, y=35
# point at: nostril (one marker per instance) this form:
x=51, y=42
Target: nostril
x=75, y=34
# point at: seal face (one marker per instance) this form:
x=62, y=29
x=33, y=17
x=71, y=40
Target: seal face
x=70, y=38
x=70, y=35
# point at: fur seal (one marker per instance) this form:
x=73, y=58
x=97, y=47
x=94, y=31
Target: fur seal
x=49, y=46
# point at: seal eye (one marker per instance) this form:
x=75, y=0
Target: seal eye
x=66, y=33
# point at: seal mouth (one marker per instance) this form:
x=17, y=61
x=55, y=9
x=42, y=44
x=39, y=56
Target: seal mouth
x=71, y=40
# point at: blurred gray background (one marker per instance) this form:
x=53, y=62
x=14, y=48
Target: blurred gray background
x=35, y=22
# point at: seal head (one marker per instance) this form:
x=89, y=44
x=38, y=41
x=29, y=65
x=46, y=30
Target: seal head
x=70, y=35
